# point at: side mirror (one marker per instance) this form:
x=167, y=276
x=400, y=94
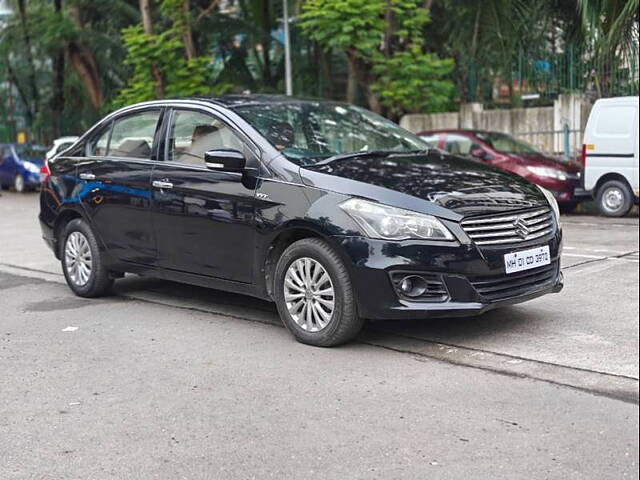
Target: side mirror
x=225, y=160
x=479, y=153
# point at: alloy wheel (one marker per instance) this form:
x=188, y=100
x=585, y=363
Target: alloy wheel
x=309, y=294
x=78, y=259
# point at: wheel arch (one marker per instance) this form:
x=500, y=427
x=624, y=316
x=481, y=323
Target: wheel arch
x=280, y=243
x=609, y=177
x=62, y=219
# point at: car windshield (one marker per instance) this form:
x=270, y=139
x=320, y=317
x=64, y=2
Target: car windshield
x=309, y=132
x=504, y=143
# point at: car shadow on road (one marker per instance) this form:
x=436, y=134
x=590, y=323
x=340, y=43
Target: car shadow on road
x=464, y=330
x=461, y=330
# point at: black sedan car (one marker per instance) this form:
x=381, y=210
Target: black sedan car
x=331, y=211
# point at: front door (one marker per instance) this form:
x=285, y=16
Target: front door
x=114, y=186
x=204, y=220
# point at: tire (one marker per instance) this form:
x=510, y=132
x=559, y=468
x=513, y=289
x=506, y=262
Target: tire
x=79, y=239
x=19, y=184
x=343, y=323
x=568, y=207
x=615, y=199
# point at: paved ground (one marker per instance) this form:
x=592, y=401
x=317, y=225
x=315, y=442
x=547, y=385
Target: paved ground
x=169, y=381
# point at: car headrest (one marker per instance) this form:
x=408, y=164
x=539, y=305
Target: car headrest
x=282, y=135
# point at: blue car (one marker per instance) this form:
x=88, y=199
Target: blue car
x=20, y=166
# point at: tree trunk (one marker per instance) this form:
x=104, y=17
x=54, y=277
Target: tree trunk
x=266, y=43
x=145, y=11
x=84, y=63
x=352, y=79
x=57, y=102
x=35, y=95
x=13, y=80
x=187, y=34
x=147, y=23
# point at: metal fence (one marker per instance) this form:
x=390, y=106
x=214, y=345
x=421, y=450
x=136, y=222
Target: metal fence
x=538, y=77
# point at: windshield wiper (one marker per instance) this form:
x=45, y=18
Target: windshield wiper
x=347, y=156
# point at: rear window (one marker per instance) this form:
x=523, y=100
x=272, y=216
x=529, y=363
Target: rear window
x=30, y=151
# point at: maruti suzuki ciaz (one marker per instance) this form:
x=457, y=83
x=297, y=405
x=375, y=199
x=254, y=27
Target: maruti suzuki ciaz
x=331, y=211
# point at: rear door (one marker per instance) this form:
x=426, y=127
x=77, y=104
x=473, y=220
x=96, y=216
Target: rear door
x=204, y=219
x=611, y=141
x=115, y=183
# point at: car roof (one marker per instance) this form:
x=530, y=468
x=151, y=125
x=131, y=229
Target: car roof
x=243, y=100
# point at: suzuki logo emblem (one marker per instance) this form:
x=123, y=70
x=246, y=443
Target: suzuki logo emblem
x=522, y=229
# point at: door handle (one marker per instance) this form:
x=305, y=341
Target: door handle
x=162, y=185
x=87, y=176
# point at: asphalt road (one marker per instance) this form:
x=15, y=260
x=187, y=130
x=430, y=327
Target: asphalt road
x=168, y=381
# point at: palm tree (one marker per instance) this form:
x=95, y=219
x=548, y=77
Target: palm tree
x=612, y=27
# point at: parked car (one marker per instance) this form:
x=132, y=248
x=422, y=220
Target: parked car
x=610, y=155
x=332, y=212
x=20, y=166
x=503, y=151
x=60, y=145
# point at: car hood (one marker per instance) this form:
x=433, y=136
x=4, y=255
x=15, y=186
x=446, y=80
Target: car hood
x=452, y=183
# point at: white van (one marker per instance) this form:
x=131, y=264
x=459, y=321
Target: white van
x=610, y=155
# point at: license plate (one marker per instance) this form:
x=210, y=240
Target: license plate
x=527, y=259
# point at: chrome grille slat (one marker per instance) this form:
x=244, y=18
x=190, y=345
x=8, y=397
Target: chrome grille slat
x=516, y=239
x=510, y=228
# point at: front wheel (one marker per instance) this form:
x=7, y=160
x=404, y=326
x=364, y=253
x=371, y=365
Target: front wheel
x=314, y=294
x=82, y=261
x=615, y=199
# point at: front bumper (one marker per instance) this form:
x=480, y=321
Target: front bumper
x=474, y=278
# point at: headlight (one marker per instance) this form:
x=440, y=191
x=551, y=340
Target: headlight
x=390, y=223
x=552, y=202
x=32, y=167
x=548, y=172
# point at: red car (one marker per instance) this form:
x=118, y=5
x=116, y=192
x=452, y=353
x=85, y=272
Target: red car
x=503, y=151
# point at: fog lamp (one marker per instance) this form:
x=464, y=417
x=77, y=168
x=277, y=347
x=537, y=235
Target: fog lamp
x=412, y=286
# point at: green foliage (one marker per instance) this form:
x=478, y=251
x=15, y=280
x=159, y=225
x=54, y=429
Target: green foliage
x=413, y=81
x=405, y=78
x=165, y=53
x=345, y=24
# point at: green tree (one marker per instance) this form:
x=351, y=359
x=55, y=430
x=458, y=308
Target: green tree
x=165, y=64
x=382, y=39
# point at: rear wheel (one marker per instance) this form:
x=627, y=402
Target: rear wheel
x=314, y=294
x=82, y=261
x=19, y=185
x=615, y=199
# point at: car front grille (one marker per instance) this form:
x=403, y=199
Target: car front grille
x=507, y=286
x=510, y=228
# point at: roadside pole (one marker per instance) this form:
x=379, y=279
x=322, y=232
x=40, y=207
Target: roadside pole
x=287, y=50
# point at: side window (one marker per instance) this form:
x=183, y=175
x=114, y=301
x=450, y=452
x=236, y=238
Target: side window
x=458, y=144
x=98, y=146
x=192, y=134
x=132, y=136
